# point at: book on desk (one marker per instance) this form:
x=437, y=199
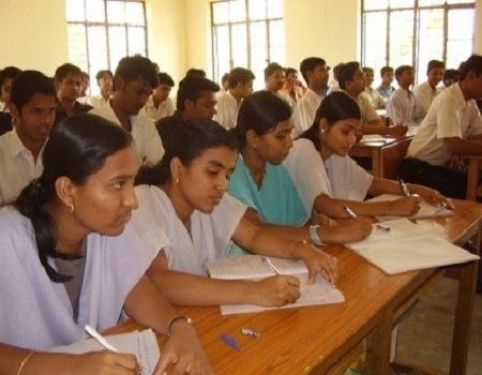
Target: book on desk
x=254, y=267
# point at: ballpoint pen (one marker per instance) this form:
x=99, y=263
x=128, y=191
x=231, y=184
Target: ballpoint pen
x=349, y=212
x=404, y=187
x=100, y=339
x=270, y=265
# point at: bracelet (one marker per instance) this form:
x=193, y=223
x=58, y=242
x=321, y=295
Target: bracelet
x=314, y=236
x=24, y=362
x=187, y=319
x=294, y=243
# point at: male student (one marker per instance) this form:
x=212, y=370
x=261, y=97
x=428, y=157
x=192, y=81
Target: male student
x=134, y=80
x=451, y=129
x=240, y=85
x=7, y=76
x=373, y=96
x=159, y=104
x=315, y=72
x=352, y=81
x=292, y=90
x=104, y=80
x=196, y=98
x=386, y=89
x=402, y=107
x=274, y=77
x=33, y=114
x=68, y=83
x=426, y=91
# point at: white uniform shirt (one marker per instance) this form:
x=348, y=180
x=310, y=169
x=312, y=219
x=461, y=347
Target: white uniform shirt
x=338, y=177
x=306, y=111
x=37, y=313
x=17, y=166
x=424, y=95
x=403, y=109
x=208, y=239
x=374, y=98
x=165, y=109
x=97, y=101
x=146, y=139
x=450, y=115
x=227, y=110
x=367, y=111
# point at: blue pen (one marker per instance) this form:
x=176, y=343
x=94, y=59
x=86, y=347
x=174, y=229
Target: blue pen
x=230, y=341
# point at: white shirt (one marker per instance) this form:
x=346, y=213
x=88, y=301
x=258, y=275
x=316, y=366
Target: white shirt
x=338, y=177
x=146, y=139
x=374, y=98
x=367, y=111
x=17, y=166
x=424, y=95
x=37, y=313
x=165, y=109
x=306, y=111
x=227, y=110
x=208, y=238
x=97, y=101
x=403, y=109
x=450, y=115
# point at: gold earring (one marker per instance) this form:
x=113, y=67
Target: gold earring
x=71, y=208
x=177, y=181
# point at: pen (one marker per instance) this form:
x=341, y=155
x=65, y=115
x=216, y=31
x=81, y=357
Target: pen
x=267, y=261
x=404, y=187
x=383, y=228
x=100, y=339
x=349, y=212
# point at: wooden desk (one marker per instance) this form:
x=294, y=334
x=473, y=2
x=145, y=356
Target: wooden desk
x=385, y=154
x=316, y=339
x=473, y=170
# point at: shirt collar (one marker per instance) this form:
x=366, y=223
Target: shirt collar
x=459, y=96
x=17, y=147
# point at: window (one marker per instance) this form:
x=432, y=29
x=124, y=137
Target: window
x=413, y=32
x=247, y=33
x=101, y=32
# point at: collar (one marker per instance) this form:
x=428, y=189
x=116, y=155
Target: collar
x=456, y=91
x=17, y=147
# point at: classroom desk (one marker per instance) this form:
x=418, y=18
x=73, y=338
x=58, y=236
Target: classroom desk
x=385, y=154
x=317, y=339
x=473, y=173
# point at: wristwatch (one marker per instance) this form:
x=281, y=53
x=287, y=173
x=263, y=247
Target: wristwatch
x=314, y=236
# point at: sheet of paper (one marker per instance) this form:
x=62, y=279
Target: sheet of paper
x=143, y=344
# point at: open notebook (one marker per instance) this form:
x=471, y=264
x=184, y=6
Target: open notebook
x=408, y=246
x=141, y=343
x=426, y=211
x=254, y=267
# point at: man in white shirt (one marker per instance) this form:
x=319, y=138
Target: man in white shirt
x=292, y=90
x=274, y=77
x=352, y=81
x=105, y=82
x=402, y=107
x=33, y=114
x=373, y=96
x=425, y=92
x=451, y=128
x=315, y=73
x=240, y=85
x=159, y=104
x=134, y=79
x=386, y=89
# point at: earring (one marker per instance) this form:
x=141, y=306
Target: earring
x=177, y=181
x=322, y=130
x=71, y=208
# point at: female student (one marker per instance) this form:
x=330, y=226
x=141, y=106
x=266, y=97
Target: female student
x=68, y=258
x=329, y=180
x=262, y=183
x=185, y=205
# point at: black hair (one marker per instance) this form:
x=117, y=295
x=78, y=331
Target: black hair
x=77, y=148
x=309, y=64
x=473, y=64
x=240, y=76
x=224, y=78
x=451, y=74
x=165, y=79
x=102, y=73
x=290, y=71
x=132, y=67
x=9, y=72
x=261, y=112
x=435, y=64
x=367, y=69
x=63, y=70
x=347, y=72
x=384, y=70
x=402, y=69
x=271, y=68
x=191, y=88
x=335, y=107
x=27, y=84
x=189, y=140
x=196, y=73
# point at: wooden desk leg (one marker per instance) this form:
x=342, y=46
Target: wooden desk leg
x=472, y=179
x=378, y=347
x=377, y=163
x=463, y=318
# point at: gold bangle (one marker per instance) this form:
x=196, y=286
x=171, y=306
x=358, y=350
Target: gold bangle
x=24, y=362
x=294, y=243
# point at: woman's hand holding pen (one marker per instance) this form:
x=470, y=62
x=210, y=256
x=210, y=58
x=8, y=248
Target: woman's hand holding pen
x=347, y=230
x=406, y=206
x=317, y=261
x=104, y=362
x=431, y=196
x=274, y=291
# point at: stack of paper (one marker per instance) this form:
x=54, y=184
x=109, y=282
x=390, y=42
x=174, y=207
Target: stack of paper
x=254, y=267
x=143, y=344
x=408, y=246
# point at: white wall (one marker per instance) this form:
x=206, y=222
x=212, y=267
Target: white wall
x=34, y=34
